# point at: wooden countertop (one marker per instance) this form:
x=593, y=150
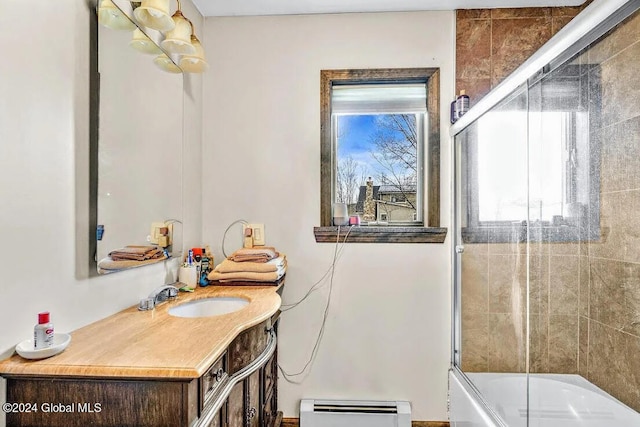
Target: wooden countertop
x=153, y=344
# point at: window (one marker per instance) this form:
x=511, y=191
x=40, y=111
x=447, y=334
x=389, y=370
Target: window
x=380, y=142
x=551, y=188
x=529, y=167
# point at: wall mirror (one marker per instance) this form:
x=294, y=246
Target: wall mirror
x=138, y=161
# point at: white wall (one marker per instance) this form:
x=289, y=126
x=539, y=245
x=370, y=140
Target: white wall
x=43, y=137
x=388, y=333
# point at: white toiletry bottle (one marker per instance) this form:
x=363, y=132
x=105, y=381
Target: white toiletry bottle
x=43, y=332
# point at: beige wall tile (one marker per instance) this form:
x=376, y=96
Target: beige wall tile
x=625, y=34
x=564, y=285
x=583, y=346
x=563, y=344
x=507, y=343
x=620, y=227
x=475, y=283
x=566, y=248
x=507, y=283
x=584, y=286
x=473, y=14
x=473, y=49
x=539, y=284
x=515, y=40
x=620, y=156
x=614, y=364
x=558, y=22
x=475, y=342
x=614, y=298
x=565, y=11
x=521, y=12
x=539, y=343
x=621, y=85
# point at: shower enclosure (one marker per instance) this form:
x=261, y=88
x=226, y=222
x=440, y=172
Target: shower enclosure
x=547, y=242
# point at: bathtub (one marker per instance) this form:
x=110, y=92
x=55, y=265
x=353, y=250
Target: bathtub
x=556, y=400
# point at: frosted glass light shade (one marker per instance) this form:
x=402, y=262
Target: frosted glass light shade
x=112, y=17
x=166, y=64
x=154, y=14
x=142, y=43
x=194, y=63
x=178, y=40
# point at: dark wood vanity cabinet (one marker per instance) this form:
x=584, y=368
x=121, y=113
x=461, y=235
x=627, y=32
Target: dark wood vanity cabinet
x=269, y=399
x=71, y=401
x=247, y=403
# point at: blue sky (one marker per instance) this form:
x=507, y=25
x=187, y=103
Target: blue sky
x=355, y=133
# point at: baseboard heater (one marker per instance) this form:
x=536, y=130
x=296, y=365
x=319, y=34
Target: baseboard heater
x=354, y=413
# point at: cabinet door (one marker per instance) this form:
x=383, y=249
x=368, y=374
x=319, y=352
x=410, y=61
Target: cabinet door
x=252, y=414
x=218, y=419
x=269, y=391
x=243, y=403
x=235, y=406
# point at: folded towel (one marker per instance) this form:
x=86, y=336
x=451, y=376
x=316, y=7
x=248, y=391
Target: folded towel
x=228, y=266
x=247, y=276
x=137, y=253
x=109, y=265
x=256, y=254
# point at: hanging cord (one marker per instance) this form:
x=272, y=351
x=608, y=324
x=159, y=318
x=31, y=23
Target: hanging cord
x=224, y=236
x=316, y=286
x=287, y=376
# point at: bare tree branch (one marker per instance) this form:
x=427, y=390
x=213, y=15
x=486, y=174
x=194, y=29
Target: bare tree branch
x=395, y=149
x=349, y=177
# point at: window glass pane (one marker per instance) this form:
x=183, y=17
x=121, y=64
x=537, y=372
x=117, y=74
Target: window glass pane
x=501, y=158
x=377, y=165
x=502, y=154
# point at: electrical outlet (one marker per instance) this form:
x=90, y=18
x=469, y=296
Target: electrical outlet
x=257, y=233
x=154, y=235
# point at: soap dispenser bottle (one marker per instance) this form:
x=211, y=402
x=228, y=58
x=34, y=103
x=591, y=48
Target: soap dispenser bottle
x=462, y=104
x=43, y=332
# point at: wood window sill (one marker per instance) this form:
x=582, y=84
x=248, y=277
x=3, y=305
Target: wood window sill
x=384, y=234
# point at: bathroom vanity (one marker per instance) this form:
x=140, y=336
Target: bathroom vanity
x=138, y=368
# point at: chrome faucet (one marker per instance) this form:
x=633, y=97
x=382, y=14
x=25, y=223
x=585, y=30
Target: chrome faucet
x=158, y=296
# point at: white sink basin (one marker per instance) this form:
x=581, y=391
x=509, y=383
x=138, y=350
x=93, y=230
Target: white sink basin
x=207, y=307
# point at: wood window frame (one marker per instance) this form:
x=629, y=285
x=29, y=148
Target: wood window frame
x=430, y=232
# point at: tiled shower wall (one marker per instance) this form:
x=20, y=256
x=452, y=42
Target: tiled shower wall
x=491, y=43
x=584, y=296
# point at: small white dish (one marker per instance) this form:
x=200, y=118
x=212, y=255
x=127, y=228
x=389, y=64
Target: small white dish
x=60, y=342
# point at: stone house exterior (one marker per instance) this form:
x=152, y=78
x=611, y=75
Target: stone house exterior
x=386, y=202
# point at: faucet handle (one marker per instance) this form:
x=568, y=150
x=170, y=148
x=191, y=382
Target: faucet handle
x=172, y=292
x=146, y=304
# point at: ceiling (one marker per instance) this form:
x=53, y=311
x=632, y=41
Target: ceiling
x=299, y=7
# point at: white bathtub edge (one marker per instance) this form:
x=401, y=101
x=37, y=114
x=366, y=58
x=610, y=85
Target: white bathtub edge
x=465, y=407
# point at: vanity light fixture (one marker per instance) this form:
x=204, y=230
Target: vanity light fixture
x=176, y=32
x=166, y=64
x=194, y=63
x=155, y=14
x=178, y=40
x=112, y=17
x=142, y=43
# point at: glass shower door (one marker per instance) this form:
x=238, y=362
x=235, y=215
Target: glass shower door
x=492, y=215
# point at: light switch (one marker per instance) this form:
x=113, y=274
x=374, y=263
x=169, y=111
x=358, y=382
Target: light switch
x=258, y=234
